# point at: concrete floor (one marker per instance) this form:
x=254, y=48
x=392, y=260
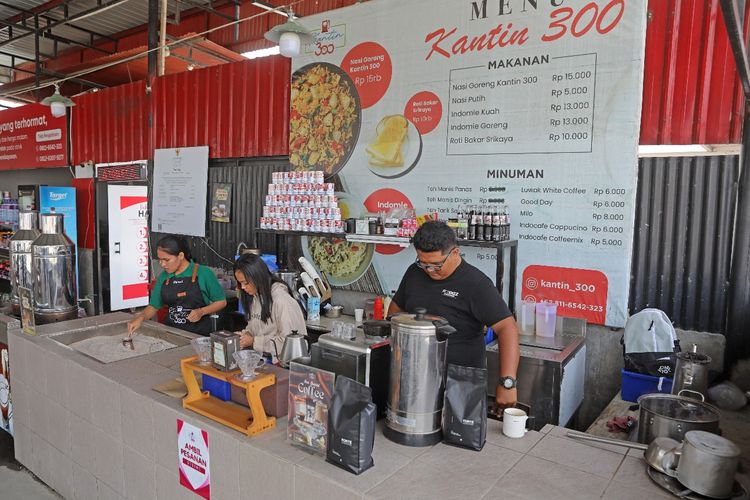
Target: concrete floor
x=16, y=482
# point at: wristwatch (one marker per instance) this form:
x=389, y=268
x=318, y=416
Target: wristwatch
x=507, y=382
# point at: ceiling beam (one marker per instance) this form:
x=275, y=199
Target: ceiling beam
x=76, y=17
x=206, y=8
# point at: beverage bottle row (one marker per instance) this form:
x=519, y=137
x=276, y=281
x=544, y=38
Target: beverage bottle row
x=483, y=223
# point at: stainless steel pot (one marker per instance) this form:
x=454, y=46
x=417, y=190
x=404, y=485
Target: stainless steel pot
x=415, y=396
x=705, y=463
x=20, y=255
x=669, y=415
x=54, y=272
x=691, y=372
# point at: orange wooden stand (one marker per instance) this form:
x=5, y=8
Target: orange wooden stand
x=250, y=421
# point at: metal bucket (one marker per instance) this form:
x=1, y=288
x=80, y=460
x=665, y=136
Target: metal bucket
x=54, y=272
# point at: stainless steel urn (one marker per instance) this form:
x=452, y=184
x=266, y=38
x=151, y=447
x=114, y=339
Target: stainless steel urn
x=415, y=397
x=20, y=256
x=54, y=272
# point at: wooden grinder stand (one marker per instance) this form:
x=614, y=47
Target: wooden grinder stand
x=250, y=421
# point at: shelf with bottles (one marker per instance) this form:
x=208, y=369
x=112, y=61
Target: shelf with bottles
x=482, y=223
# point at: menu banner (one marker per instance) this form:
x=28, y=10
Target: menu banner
x=447, y=106
x=30, y=137
x=127, y=210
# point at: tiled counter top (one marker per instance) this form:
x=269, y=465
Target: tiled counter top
x=99, y=431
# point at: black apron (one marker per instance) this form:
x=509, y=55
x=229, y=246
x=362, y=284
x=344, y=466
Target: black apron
x=182, y=295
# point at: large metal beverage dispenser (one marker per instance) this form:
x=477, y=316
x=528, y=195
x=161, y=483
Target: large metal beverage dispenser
x=20, y=256
x=54, y=271
x=415, y=397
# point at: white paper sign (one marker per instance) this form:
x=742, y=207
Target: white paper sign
x=180, y=191
x=533, y=105
x=127, y=210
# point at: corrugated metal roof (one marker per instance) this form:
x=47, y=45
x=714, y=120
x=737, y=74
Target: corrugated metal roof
x=109, y=21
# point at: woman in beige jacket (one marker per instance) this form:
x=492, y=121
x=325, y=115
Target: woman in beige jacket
x=270, y=310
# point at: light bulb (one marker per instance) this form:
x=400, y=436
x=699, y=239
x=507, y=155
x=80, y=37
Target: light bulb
x=57, y=109
x=289, y=44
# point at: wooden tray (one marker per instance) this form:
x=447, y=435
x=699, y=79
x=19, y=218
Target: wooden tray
x=249, y=421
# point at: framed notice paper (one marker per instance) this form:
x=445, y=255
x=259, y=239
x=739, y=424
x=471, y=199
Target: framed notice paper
x=180, y=180
x=221, y=202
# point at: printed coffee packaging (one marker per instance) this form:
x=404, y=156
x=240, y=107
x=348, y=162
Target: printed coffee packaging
x=351, y=426
x=465, y=407
x=310, y=391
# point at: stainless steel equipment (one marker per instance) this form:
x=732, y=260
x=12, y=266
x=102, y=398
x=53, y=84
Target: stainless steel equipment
x=415, y=398
x=550, y=374
x=669, y=415
x=363, y=359
x=223, y=345
x=705, y=463
x=20, y=255
x=295, y=346
x=54, y=272
x=691, y=372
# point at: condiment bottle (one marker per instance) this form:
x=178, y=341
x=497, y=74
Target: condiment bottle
x=378, y=308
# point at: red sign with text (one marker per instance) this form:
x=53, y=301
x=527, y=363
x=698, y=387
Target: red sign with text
x=579, y=293
x=30, y=137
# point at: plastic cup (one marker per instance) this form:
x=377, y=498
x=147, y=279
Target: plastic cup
x=202, y=346
x=527, y=317
x=546, y=318
x=359, y=315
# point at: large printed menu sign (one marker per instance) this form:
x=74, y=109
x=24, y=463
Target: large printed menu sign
x=30, y=137
x=127, y=210
x=444, y=105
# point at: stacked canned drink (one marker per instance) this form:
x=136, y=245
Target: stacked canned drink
x=301, y=201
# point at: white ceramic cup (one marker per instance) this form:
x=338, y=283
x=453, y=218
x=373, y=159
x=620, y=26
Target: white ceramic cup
x=514, y=422
x=359, y=315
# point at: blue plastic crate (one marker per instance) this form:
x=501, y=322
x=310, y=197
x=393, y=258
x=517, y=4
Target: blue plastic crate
x=635, y=385
x=218, y=388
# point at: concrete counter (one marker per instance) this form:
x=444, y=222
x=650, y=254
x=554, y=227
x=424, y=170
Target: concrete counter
x=91, y=430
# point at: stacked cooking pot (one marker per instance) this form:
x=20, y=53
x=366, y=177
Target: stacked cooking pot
x=684, y=443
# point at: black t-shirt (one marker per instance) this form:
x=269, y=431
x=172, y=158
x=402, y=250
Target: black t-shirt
x=467, y=299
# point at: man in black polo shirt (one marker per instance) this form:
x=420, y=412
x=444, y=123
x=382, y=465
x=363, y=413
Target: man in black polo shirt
x=446, y=285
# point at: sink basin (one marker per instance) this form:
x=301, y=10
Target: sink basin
x=103, y=343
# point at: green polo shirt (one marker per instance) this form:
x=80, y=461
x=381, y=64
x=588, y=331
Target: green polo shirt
x=210, y=287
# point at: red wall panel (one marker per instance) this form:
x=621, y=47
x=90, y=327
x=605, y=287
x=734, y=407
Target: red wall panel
x=691, y=91
x=111, y=125
x=239, y=109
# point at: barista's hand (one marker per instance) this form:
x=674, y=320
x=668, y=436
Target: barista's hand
x=134, y=324
x=505, y=398
x=195, y=315
x=246, y=339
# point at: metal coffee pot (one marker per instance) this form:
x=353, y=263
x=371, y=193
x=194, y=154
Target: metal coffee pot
x=295, y=346
x=691, y=372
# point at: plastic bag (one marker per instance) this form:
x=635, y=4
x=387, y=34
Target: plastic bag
x=351, y=426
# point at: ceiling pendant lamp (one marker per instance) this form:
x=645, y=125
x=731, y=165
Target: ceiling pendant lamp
x=290, y=36
x=58, y=103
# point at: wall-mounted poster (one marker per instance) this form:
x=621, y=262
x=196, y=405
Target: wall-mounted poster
x=221, y=201
x=127, y=212
x=180, y=180
x=448, y=106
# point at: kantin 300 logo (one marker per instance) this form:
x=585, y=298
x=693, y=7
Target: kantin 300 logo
x=327, y=39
